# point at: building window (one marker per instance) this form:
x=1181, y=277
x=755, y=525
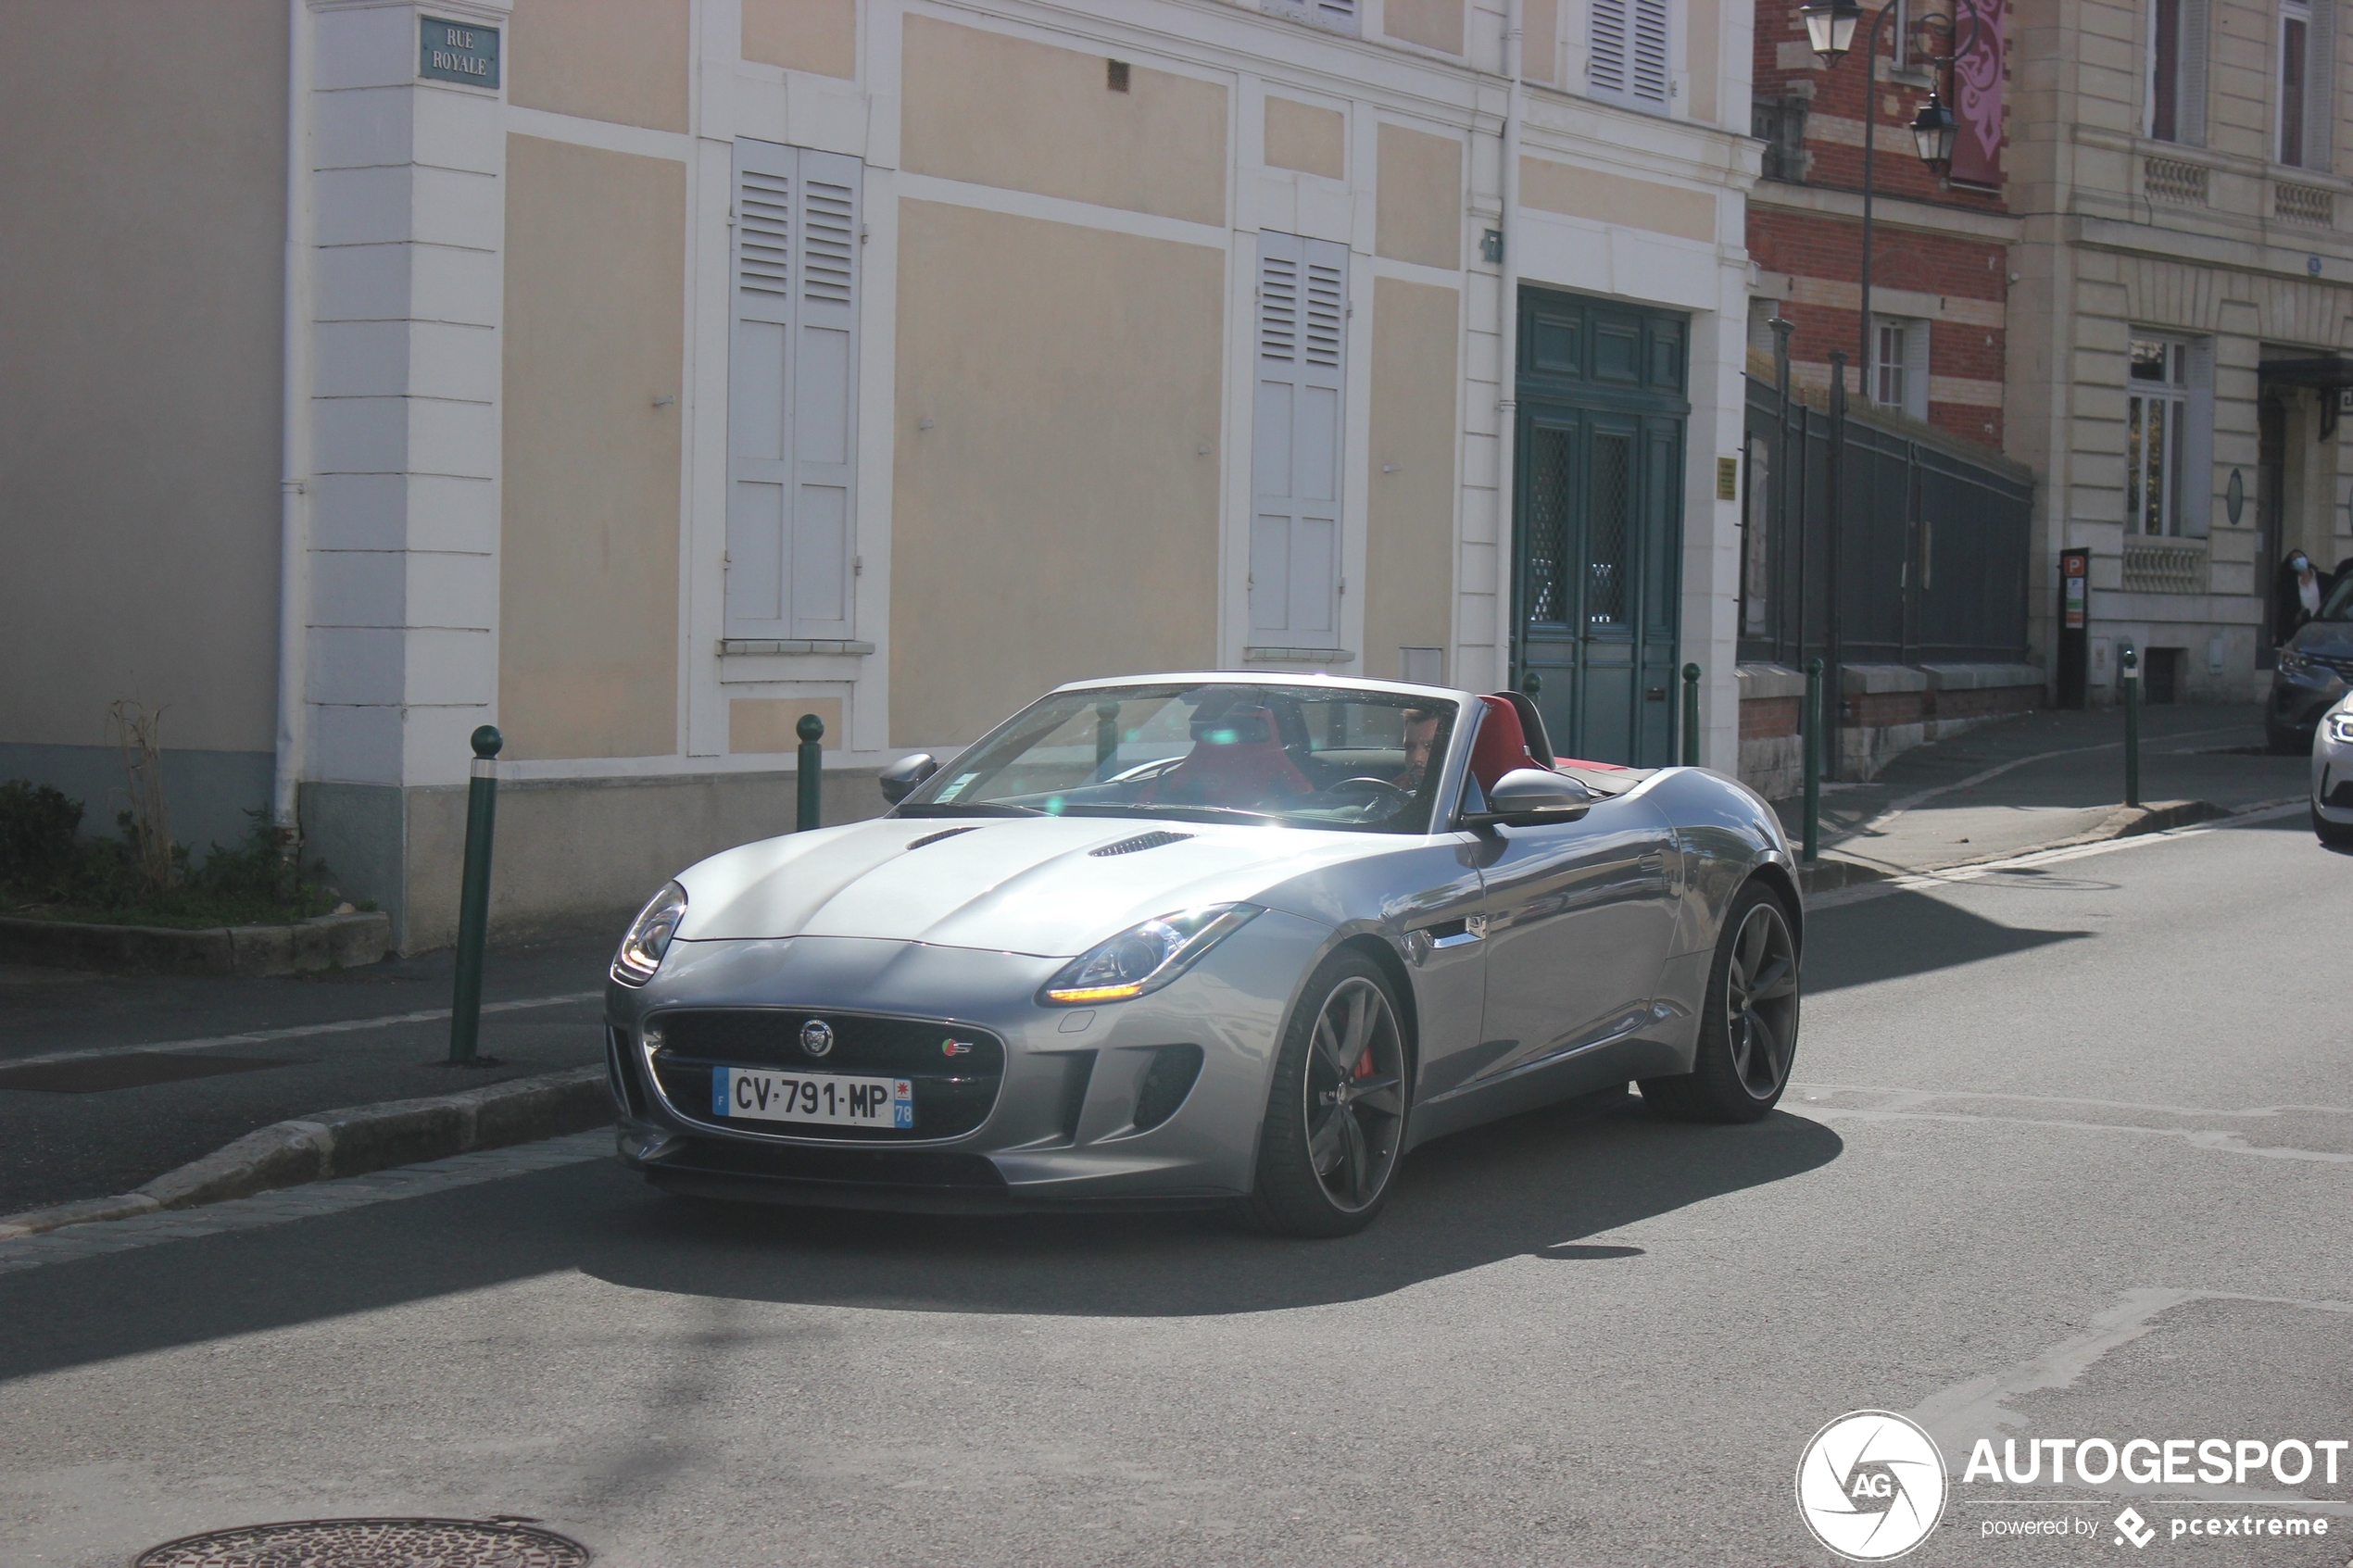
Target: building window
x=2169, y=418
x=2177, y=71
x=2295, y=37
x=2306, y=96
x=1626, y=50
x=1899, y=365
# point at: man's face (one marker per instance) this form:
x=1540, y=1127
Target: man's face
x=1421, y=735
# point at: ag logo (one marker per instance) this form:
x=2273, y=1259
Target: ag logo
x=1871, y=1486
x=817, y=1036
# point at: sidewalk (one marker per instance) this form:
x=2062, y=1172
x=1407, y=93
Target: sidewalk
x=2034, y=780
x=85, y=1113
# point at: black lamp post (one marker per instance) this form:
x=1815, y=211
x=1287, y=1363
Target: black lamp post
x=1829, y=31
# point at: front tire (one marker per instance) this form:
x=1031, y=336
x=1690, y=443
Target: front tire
x=1748, y=1024
x=2328, y=833
x=1334, y=1120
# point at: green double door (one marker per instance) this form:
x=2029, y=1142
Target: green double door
x=1598, y=523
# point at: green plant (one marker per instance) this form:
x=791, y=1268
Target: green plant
x=38, y=826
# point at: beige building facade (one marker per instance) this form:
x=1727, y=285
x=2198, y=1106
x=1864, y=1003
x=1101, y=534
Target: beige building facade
x=641, y=375
x=2181, y=318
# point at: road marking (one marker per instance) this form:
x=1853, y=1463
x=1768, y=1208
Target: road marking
x=1958, y=1415
x=75, y=1242
x=2197, y=1138
x=1980, y=870
x=299, y=1031
x=1909, y=801
x=1909, y=1097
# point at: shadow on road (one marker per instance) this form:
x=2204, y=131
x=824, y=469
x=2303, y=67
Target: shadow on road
x=1535, y=1186
x=1899, y=935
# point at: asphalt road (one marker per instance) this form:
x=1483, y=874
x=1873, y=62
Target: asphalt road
x=2069, y=1159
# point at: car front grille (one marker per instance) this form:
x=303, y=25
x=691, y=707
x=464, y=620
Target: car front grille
x=2340, y=663
x=954, y=1088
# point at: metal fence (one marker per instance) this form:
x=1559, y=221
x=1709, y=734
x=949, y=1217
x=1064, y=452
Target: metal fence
x=1930, y=553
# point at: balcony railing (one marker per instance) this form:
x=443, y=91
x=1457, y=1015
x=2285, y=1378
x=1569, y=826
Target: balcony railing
x=2164, y=569
x=2304, y=203
x=2170, y=179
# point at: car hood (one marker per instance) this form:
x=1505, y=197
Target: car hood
x=1030, y=884
x=2331, y=637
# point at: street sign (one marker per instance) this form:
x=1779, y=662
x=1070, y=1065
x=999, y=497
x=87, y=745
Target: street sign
x=457, y=52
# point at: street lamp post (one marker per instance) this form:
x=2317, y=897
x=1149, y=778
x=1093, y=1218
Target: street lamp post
x=1829, y=31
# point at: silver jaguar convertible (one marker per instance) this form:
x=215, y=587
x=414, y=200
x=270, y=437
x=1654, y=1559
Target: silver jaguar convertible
x=1204, y=939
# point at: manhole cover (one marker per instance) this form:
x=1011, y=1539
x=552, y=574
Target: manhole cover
x=370, y=1543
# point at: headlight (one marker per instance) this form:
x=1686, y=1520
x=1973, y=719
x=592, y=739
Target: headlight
x=649, y=936
x=2294, y=663
x=2341, y=728
x=1145, y=957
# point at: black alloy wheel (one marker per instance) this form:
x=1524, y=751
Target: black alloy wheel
x=1335, y=1115
x=1748, y=1024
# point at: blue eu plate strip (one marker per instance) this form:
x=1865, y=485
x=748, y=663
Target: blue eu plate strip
x=719, y=1091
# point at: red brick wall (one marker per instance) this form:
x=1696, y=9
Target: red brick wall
x=1811, y=245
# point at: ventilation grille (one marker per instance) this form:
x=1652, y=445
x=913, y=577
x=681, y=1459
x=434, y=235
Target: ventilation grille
x=828, y=241
x=944, y=833
x=1141, y=841
x=763, y=231
x=2170, y=179
x=1279, y=310
x=1324, y=307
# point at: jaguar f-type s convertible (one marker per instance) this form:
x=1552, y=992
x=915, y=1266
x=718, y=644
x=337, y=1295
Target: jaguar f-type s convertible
x=1199, y=939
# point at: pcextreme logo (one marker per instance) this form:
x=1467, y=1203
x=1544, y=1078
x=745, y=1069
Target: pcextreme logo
x=1871, y=1486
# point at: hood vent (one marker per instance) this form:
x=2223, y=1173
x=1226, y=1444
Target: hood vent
x=944, y=833
x=1141, y=841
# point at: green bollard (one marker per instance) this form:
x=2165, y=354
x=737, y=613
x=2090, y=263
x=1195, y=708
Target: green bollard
x=473, y=900
x=1690, y=715
x=1811, y=744
x=809, y=772
x=2131, y=727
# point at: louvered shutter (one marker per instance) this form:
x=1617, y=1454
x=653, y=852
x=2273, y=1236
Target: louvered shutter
x=1339, y=16
x=1295, y=445
x=2189, y=75
x=2321, y=88
x=1916, y=370
x=792, y=393
x=2197, y=443
x=1626, y=52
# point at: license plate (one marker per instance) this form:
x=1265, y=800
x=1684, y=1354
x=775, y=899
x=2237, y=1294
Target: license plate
x=827, y=1098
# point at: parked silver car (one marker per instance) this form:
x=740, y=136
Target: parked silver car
x=1204, y=939
x=2333, y=775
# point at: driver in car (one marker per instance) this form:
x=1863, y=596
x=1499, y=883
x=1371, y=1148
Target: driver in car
x=1421, y=739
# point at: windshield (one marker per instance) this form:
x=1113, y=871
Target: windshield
x=2339, y=604
x=1300, y=755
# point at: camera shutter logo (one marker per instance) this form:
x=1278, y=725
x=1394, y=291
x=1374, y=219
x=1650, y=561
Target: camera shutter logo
x=817, y=1036
x=1871, y=1486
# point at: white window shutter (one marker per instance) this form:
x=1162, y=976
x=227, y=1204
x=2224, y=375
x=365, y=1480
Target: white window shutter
x=1296, y=426
x=1627, y=52
x=2197, y=442
x=2322, y=90
x=792, y=393
x=1916, y=370
x=2189, y=75
x=1606, y=25
x=1339, y=16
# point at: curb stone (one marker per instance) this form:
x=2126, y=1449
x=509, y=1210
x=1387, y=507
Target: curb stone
x=1834, y=871
x=351, y=1142
x=341, y=941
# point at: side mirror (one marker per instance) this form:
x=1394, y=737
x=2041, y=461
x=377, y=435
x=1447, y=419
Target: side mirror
x=904, y=777
x=1530, y=798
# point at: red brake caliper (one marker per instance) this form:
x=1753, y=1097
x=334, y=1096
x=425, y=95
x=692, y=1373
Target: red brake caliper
x=1365, y=1063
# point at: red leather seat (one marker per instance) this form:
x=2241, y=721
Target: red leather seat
x=1237, y=759
x=1502, y=745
